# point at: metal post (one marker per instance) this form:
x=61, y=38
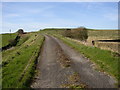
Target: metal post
x=10, y=33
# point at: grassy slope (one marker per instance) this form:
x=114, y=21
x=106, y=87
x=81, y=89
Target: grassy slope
x=6, y=38
x=21, y=61
x=104, y=59
x=28, y=47
x=104, y=34
x=97, y=34
x=113, y=34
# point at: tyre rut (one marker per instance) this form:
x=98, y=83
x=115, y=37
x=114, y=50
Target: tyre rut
x=54, y=72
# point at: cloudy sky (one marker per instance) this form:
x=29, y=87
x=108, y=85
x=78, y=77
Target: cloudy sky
x=32, y=16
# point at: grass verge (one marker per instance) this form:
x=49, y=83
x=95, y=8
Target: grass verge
x=21, y=67
x=105, y=60
x=6, y=38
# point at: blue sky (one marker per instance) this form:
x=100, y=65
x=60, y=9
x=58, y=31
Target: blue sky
x=32, y=16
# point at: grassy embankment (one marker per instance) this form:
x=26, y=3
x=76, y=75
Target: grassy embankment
x=19, y=62
x=95, y=35
x=6, y=38
x=105, y=60
x=104, y=35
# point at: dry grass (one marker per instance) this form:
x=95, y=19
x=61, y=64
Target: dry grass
x=74, y=78
x=113, y=46
x=74, y=82
x=64, y=60
x=104, y=35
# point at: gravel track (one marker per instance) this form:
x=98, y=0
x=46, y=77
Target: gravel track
x=52, y=72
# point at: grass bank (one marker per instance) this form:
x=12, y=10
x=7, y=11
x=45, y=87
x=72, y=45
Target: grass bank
x=105, y=60
x=104, y=34
x=19, y=62
x=6, y=38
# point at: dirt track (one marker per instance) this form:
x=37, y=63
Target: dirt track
x=57, y=62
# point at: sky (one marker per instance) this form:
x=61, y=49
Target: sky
x=60, y=0
x=33, y=16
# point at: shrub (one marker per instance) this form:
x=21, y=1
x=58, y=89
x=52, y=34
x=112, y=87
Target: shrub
x=80, y=33
x=20, y=31
x=12, y=42
x=67, y=33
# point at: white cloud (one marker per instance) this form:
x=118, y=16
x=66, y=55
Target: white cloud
x=34, y=26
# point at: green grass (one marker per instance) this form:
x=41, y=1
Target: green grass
x=23, y=39
x=53, y=29
x=9, y=53
x=15, y=74
x=25, y=53
x=6, y=38
x=104, y=59
x=111, y=34
x=50, y=31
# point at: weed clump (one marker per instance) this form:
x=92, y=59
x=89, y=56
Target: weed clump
x=18, y=53
x=20, y=31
